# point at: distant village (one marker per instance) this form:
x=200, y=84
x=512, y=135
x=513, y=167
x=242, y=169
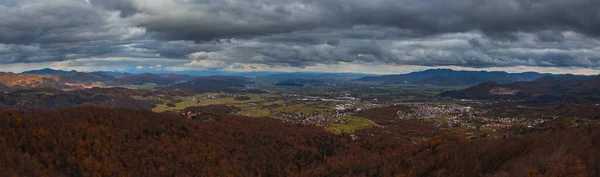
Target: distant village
x=461, y=113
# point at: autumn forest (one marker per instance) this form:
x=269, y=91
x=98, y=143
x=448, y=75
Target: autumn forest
x=89, y=141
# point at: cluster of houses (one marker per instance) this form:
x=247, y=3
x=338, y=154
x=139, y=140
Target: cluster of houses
x=465, y=116
x=210, y=96
x=424, y=111
x=505, y=122
x=302, y=118
x=342, y=99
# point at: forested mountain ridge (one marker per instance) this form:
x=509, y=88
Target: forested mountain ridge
x=565, y=88
x=448, y=77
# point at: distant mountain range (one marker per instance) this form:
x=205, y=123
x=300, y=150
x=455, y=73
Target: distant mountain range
x=114, y=74
x=209, y=84
x=486, y=85
x=151, y=78
x=260, y=74
x=50, y=72
x=313, y=76
x=448, y=77
x=50, y=79
x=569, y=88
x=190, y=82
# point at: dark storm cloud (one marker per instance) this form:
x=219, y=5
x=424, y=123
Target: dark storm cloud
x=127, y=8
x=46, y=52
x=460, y=49
x=43, y=31
x=303, y=33
x=207, y=20
x=177, y=49
x=550, y=36
x=52, y=22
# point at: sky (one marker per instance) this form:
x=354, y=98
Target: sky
x=374, y=36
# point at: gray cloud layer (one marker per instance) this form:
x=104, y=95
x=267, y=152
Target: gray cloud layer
x=300, y=33
x=204, y=20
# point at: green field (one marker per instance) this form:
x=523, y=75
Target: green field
x=352, y=124
x=199, y=100
x=259, y=105
x=286, y=100
x=264, y=105
x=146, y=86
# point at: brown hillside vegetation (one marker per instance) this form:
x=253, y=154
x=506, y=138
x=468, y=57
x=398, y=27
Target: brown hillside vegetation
x=44, y=98
x=29, y=80
x=119, y=142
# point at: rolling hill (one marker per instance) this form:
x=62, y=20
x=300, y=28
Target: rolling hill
x=310, y=76
x=209, y=84
x=24, y=81
x=49, y=98
x=59, y=80
x=142, y=79
x=48, y=71
x=570, y=88
x=448, y=77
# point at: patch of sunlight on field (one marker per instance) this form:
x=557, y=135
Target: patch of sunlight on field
x=352, y=124
x=200, y=100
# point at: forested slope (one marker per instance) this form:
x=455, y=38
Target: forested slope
x=88, y=141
